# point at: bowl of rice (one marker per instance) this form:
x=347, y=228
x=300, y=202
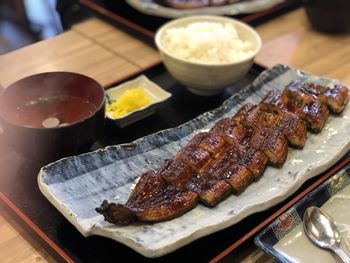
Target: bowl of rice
x=207, y=53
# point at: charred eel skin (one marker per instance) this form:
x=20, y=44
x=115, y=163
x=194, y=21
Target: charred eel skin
x=232, y=155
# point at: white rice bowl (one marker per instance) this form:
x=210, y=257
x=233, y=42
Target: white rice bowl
x=207, y=42
x=207, y=53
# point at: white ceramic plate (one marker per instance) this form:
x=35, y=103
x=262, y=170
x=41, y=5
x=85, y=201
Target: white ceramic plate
x=76, y=185
x=153, y=91
x=150, y=7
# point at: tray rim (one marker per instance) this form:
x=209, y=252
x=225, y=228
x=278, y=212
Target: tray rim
x=25, y=221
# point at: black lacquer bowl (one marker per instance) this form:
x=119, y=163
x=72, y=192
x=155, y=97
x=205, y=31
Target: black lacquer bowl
x=328, y=16
x=75, y=100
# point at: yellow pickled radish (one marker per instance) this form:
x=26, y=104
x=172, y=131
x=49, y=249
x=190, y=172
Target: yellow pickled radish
x=130, y=100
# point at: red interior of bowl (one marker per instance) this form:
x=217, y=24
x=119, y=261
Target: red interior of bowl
x=69, y=97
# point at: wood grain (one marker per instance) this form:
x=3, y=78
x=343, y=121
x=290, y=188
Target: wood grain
x=122, y=44
x=16, y=245
x=69, y=51
x=291, y=40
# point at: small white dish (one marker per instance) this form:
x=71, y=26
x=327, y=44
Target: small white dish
x=154, y=92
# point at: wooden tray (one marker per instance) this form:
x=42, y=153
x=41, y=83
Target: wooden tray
x=105, y=174
x=29, y=231
x=19, y=183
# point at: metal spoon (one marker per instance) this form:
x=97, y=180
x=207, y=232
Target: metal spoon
x=322, y=230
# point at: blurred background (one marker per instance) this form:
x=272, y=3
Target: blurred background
x=23, y=22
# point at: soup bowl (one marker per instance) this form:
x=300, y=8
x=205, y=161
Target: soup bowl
x=52, y=115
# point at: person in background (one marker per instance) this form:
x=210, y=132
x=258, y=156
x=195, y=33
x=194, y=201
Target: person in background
x=43, y=18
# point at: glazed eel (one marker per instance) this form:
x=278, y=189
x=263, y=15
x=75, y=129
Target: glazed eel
x=231, y=155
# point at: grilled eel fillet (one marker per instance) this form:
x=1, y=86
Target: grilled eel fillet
x=309, y=101
x=335, y=98
x=229, y=157
x=151, y=200
x=289, y=124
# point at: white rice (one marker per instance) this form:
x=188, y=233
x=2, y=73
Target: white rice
x=207, y=42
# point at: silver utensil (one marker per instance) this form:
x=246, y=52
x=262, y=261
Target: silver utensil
x=322, y=230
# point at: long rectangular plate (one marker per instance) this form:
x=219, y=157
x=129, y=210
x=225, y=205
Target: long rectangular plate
x=76, y=185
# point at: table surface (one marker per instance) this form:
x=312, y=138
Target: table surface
x=109, y=55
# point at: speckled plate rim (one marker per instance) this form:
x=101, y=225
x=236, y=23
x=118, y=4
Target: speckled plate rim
x=152, y=8
x=152, y=141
